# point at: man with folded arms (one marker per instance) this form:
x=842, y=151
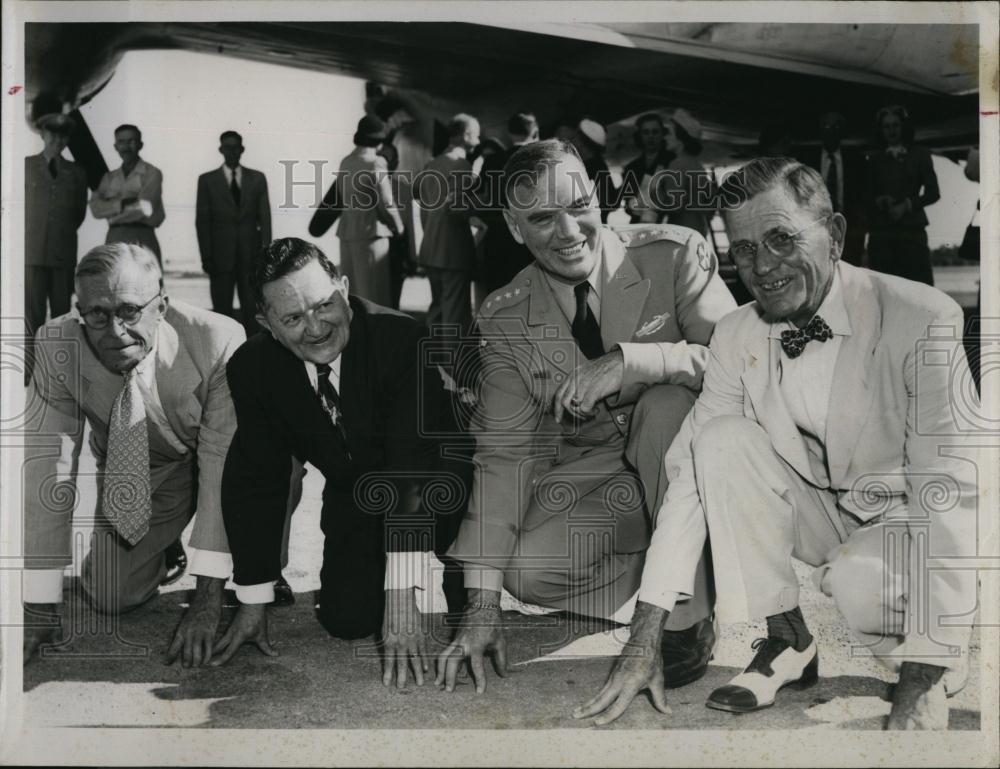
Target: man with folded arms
x=825, y=431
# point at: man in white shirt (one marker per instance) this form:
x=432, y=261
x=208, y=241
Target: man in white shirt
x=233, y=220
x=826, y=431
x=131, y=197
x=340, y=383
x=149, y=378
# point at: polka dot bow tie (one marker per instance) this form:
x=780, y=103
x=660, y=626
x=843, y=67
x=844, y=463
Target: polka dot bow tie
x=794, y=342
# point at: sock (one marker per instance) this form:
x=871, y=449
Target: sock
x=790, y=626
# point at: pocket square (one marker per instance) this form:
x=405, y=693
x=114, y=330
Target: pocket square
x=653, y=325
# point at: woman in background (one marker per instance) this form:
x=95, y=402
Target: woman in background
x=687, y=189
x=901, y=183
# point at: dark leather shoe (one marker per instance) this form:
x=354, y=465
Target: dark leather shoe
x=177, y=563
x=775, y=666
x=283, y=595
x=686, y=653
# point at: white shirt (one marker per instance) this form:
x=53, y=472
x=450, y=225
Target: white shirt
x=806, y=381
x=806, y=384
x=229, y=175
x=837, y=158
x=402, y=570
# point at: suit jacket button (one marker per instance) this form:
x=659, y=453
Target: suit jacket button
x=621, y=418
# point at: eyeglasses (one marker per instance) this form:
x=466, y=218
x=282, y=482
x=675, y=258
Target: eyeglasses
x=781, y=244
x=98, y=318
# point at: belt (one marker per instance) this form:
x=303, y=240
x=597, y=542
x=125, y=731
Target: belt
x=132, y=224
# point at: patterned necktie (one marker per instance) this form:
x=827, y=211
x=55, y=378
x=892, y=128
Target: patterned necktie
x=586, y=330
x=794, y=342
x=235, y=189
x=127, y=499
x=331, y=403
x=53, y=168
x=832, y=181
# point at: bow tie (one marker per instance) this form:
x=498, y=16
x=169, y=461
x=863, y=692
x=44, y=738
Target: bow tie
x=794, y=342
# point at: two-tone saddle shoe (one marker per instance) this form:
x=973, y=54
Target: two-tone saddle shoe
x=775, y=666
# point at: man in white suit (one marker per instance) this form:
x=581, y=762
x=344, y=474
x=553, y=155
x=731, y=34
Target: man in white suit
x=827, y=429
x=149, y=378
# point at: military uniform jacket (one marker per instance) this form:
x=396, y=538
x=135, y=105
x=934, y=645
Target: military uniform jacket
x=660, y=301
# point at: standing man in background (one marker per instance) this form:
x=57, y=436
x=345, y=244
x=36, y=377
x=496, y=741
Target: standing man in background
x=448, y=250
x=844, y=172
x=131, y=197
x=233, y=220
x=55, y=193
x=505, y=257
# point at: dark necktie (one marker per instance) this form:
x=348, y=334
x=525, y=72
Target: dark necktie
x=331, y=402
x=586, y=331
x=53, y=168
x=831, y=181
x=794, y=342
x=235, y=189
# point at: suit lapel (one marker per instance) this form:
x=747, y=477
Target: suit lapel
x=762, y=380
x=222, y=188
x=624, y=294
x=852, y=393
x=177, y=379
x=99, y=386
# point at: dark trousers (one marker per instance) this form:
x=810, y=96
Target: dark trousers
x=901, y=252
x=222, y=286
x=46, y=285
x=43, y=286
x=351, y=597
x=451, y=300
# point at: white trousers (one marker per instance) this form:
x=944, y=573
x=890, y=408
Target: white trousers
x=761, y=513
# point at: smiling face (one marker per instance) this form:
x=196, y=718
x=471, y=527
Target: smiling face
x=790, y=288
x=120, y=347
x=307, y=311
x=557, y=219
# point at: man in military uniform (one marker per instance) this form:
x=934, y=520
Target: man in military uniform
x=591, y=358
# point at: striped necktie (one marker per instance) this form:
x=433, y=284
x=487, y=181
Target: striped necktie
x=126, y=499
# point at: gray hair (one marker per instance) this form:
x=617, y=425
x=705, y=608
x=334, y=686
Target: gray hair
x=103, y=260
x=803, y=183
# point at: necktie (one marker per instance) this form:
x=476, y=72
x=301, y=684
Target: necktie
x=794, y=342
x=831, y=181
x=53, y=168
x=235, y=189
x=126, y=498
x=585, y=329
x=331, y=403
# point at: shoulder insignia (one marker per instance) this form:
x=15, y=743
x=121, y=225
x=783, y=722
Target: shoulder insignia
x=509, y=295
x=704, y=260
x=654, y=233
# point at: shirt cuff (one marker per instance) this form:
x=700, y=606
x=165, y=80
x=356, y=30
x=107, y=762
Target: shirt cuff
x=210, y=563
x=643, y=362
x=262, y=593
x=665, y=599
x=483, y=578
x=42, y=586
x=406, y=570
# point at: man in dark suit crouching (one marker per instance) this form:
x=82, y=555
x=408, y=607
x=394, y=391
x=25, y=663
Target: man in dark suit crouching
x=339, y=382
